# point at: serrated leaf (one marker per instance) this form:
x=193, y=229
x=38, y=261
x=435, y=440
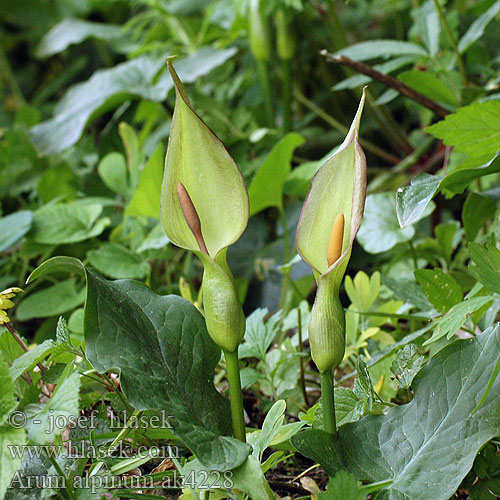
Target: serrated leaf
x=473, y=130
x=166, y=359
x=61, y=407
x=13, y=227
x=487, y=265
x=342, y=487
x=439, y=287
x=51, y=301
x=67, y=223
x=117, y=261
x=433, y=433
x=259, y=334
x=266, y=188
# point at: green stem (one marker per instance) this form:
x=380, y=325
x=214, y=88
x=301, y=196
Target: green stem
x=235, y=394
x=266, y=91
x=68, y=489
x=452, y=41
x=328, y=402
x=287, y=102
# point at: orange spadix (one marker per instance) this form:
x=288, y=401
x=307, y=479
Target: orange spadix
x=336, y=240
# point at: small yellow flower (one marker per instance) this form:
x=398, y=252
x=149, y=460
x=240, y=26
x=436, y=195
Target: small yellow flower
x=5, y=303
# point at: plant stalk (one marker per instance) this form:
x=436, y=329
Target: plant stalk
x=266, y=91
x=235, y=394
x=287, y=94
x=328, y=402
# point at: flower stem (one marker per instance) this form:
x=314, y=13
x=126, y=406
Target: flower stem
x=266, y=91
x=287, y=102
x=235, y=394
x=328, y=402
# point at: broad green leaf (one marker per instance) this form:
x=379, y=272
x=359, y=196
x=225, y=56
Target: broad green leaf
x=487, y=265
x=477, y=210
x=9, y=464
x=434, y=432
x=8, y=403
x=449, y=324
x=73, y=31
x=476, y=29
x=380, y=230
x=413, y=200
x=59, y=264
x=198, y=160
x=429, y=85
x=266, y=188
x=117, y=261
x=381, y=48
x=29, y=359
x=62, y=405
x=112, y=169
x=146, y=199
x=342, y=487
x=406, y=365
x=473, y=130
x=51, y=301
x=440, y=288
x=166, y=359
x=109, y=87
x=67, y=223
x=259, y=334
x=13, y=227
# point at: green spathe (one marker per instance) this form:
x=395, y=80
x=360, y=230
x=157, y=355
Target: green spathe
x=338, y=187
x=198, y=159
x=202, y=183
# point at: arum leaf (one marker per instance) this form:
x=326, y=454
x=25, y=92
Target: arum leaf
x=339, y=186
x=424, y=448
x=166, y=359
x=198, y=159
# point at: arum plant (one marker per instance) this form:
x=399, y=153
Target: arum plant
x=329, y=221
x=205, y=208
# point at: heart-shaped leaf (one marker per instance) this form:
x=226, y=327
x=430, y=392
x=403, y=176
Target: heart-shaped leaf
x=426, y=447
x=166, y=358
